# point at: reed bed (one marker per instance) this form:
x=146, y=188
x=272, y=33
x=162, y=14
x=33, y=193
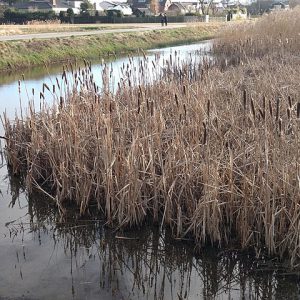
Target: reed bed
x=149, y=260
x=211, y=151
x=275, y=35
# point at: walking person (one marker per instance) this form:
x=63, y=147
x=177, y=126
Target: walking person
x=162, y=19
x=165, y=19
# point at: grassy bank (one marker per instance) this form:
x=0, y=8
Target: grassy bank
x=18, y=54
x=211, y=151
x=47, y=27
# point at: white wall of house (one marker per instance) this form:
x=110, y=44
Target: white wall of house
x=280, y=7
x=75, y=4
x=239, y=16
x=96, y=4
x=125, y=9
x=58, y=9
x=191, y=8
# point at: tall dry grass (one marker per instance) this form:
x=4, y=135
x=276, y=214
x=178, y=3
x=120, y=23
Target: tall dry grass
x=47, y=26
x=275, y=35
x=211, y=151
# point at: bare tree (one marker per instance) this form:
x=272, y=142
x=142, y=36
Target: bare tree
x=294, y=3
x=205, y=6
x=154, y=6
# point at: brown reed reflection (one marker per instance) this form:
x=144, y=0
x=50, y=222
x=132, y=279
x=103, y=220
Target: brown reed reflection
x=153, y=264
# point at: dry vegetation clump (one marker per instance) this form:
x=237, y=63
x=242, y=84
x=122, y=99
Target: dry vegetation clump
x=211, y=151
x=46, y=22
x=34, y=26
x=276, y=35
x=37, y=26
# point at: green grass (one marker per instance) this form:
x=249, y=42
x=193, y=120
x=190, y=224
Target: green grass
x=91, y=28
x=19, y=54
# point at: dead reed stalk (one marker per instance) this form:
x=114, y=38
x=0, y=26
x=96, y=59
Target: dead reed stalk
x=200, y=151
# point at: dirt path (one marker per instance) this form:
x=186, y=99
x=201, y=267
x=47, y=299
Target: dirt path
x=139, y=28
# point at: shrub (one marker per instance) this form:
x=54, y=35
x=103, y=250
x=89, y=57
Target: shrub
x=114, y=13
x=15, y=16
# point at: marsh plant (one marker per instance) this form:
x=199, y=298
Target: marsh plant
x=142, y=264
x=210, y=150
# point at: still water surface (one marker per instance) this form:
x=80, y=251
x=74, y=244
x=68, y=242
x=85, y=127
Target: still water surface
x=42, y=257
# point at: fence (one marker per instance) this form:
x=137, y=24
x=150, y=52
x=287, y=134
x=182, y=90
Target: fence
x=124, y=20
x=146, y=19
x=116, y=20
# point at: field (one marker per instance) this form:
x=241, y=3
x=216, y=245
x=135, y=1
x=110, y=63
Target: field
x=211, y=151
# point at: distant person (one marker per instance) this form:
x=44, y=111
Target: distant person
x=162, y=19
x=166, y=19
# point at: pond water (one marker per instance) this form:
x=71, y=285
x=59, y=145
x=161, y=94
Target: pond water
x=44, y=257
x=16, y=87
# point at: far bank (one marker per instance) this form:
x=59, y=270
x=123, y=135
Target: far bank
x=19, y=54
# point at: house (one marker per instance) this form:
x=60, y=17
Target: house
x=99, y=5
x=74, y=4
x=181, y=8
x=125, y=10
x=33, y=6
x=142, y=12
x=236, y=13
x=176, y=8
x=217, y=6
x=267, y=6
x=279, y=6
x=161, y=5
x=191, y=7
x=63, y=5
x=53, y=5
x=105, y=5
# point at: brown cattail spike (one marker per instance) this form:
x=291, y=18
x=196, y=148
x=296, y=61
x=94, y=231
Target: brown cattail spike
x=208, y=108
x=270, y=109
x=204, y=134
x=176, y=100
x=252, y=108
x=244, y=99
x=277, y=108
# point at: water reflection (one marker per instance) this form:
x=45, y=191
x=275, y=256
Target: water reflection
x=19, y=87
x=82, y=259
